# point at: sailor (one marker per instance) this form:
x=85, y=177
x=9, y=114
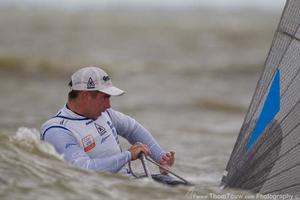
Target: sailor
x=86, y=130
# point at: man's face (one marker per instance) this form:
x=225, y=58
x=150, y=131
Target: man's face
x=98, y=102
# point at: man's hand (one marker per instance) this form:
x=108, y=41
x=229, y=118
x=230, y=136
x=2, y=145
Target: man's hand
x=136, y=149
x=167, y=161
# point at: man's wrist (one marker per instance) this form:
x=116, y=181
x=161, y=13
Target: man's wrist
x=129, y=157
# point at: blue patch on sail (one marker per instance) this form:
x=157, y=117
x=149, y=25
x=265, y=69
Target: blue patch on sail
x=269, y=111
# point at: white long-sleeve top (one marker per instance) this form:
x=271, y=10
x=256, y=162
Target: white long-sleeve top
x=94, y=144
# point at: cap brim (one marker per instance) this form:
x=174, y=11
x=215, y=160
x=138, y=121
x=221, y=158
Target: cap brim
x=113, y=91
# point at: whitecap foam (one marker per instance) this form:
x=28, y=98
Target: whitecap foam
x=30, y=138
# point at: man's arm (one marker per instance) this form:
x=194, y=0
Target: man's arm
x=65, y=143
x=134, y=132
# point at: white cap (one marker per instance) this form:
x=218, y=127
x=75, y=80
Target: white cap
x=93, y=79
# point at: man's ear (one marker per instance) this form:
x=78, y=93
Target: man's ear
x=83, y=95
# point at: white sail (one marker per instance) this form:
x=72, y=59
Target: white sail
x=266, y=156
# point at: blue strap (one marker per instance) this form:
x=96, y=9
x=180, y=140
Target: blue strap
x=109, y=115
x=43, y=134
x=63, y=117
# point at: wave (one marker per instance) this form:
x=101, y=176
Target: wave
x=29, y=140
x=31, y=169
x=25, y=64
x=44, y=65
x=218, y=106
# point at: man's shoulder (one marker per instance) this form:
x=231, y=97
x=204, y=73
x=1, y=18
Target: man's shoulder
x=113, y=115
x=52, y=123
x=112, y=112
x=54, y=120
x=120, y=119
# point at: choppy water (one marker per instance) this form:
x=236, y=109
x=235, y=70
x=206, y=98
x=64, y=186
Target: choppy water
x=188, y=77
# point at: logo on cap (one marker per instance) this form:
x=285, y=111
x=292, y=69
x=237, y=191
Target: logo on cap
x=90, y=84
x=106, y=78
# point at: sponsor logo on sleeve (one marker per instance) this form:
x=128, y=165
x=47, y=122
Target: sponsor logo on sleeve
x=105, y=138
x=113, y=129
x=88, y=142
x=70, y=144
